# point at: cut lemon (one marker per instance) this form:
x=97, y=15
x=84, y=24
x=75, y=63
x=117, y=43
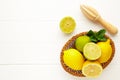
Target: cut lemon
x=67, y=24
x=92, y=69
x=91, y=51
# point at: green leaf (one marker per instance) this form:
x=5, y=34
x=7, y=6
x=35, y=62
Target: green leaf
x=103, y=39
x=101, y=33
x=97, y=36
x=93, y=39
x=90, y=33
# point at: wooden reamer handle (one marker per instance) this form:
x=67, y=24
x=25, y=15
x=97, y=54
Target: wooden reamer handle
x=112, y=29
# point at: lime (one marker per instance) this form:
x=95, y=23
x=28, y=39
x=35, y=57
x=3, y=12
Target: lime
x=91, y=69
x=106, y=51
x=81, y=41
x=67, y=24
x=73, y=58
x=91, y=51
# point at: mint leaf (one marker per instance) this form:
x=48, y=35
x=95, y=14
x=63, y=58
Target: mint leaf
x=97, y=36
x=103, y=39
x=93, y=39
x=90, y=33
x=101, y=33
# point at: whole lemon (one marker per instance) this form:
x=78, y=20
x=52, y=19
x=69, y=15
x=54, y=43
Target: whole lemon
x=106, y=51
x=73, y=58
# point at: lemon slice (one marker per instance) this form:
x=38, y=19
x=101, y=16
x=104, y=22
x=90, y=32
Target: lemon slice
x=91, y=51
x=91, y=69
x=67, y=24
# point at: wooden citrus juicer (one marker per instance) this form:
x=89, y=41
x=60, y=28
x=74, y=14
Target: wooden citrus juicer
x=94, y=16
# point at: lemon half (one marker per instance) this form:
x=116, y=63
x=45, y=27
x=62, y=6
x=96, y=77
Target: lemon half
x=92, y=69
x=91, y=51
x=67, y=24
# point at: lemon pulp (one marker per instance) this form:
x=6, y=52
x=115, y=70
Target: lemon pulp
x=91, y=69
x=91, y=51
x=67, y=24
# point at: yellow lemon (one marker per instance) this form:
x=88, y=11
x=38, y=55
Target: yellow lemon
x=73, y=59
x=67, y=24
x=91, y=51
x=91, y=69
x=106, y=50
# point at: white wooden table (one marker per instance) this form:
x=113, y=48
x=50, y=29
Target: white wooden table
x=31, y=41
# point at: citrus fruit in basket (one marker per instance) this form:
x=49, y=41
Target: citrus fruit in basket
x=73, y=58
x=106, y=50
x=92, y=69
x=98, y=52
x=92, y=51
x=81, y=41
x=67, y=24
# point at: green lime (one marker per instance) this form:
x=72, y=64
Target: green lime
x=67, y=24
x=91, y=51
x=81, y=41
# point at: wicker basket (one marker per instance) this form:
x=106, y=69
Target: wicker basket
x=70, y=44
